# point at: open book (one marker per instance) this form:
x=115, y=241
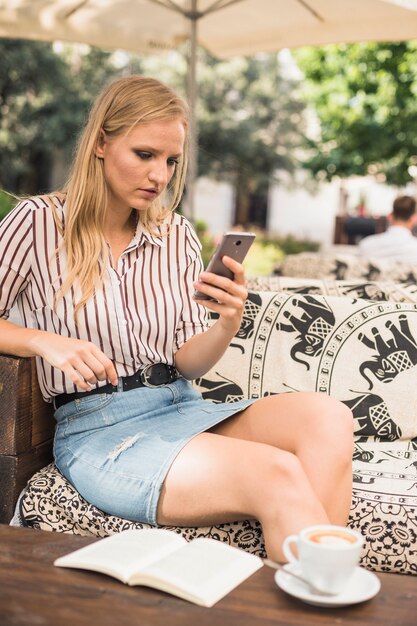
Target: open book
x=202, y=571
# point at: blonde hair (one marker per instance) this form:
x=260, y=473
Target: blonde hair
x=122, y=105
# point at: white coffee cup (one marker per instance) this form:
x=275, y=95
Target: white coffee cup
x=327, y=555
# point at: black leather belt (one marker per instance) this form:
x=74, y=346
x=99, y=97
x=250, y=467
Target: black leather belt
x=149, y=376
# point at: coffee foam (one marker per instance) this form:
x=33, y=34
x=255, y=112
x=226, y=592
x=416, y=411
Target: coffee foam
x=331, y=538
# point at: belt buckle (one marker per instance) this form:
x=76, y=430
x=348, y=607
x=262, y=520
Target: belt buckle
x=144, y=376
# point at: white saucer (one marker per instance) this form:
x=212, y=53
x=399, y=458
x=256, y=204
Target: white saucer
x=362, y=586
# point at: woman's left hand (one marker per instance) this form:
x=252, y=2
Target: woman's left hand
x=229, y=295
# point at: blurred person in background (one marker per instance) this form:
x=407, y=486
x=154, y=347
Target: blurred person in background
x=397, y=242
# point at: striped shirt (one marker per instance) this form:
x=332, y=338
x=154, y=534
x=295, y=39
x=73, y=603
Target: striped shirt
x=143, y=314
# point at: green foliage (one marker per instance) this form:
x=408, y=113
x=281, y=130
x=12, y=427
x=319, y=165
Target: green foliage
x=44, y=97
x=206, y=239
x=267, y=252
x=365, y=99
x=250, y=120
x=291, y=245
x=27, y=79
x=7, y=202
x=262, y=258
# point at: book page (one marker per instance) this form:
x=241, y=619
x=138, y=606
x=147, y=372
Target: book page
x=123, y=553
x=202, y=571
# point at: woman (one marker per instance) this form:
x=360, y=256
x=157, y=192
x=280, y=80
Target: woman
x=104, y=275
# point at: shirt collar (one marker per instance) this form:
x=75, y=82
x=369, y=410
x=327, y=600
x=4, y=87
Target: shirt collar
x=143, y=235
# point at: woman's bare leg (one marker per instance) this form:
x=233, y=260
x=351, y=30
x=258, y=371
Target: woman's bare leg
x=317, y=429
x=217, y=479
x=286, y=461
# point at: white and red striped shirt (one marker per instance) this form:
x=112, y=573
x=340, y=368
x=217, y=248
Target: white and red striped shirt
x=143, y=314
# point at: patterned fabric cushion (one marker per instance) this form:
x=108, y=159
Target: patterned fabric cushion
x=363, y=352
x=346, y=267
x=384, y=505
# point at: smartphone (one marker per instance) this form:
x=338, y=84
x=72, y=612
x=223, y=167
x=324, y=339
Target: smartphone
x=235, y=245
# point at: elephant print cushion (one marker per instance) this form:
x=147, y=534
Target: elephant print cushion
x=362, y=352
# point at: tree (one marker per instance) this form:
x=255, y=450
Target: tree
x=44, y=97
x=250, y=124
x=365, y=98
x=28, y=76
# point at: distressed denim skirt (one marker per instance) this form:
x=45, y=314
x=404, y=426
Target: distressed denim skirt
x=116, y=449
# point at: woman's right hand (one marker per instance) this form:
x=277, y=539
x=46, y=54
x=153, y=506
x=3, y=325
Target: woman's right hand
x=81, y=361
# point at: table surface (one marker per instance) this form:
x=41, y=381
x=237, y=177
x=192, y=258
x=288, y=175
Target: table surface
x=33, y=591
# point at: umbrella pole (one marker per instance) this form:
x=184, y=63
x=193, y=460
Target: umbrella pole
x=192, y=99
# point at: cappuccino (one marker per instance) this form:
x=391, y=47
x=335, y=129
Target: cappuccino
x=331, y=537
x=326, y=554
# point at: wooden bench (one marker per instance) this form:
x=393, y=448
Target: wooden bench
x=26, y=429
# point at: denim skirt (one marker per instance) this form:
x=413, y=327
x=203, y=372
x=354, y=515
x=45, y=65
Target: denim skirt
x=116, y=449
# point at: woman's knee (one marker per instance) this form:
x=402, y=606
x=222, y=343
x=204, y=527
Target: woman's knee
x=332, y=424
x=280, y=482
x=288, y=497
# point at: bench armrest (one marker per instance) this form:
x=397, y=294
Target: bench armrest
x=26, y=429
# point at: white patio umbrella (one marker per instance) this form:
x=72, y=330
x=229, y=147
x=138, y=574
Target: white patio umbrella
x=225, y=27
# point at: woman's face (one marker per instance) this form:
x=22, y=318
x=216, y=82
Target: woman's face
x=138, y=166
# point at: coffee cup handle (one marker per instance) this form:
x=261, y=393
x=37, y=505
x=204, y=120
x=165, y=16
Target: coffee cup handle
x=286, y=548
